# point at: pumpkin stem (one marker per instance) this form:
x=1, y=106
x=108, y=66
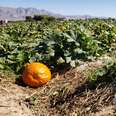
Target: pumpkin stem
x=26, y=64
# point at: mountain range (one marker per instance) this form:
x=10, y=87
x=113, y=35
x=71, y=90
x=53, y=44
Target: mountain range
x=13, y=14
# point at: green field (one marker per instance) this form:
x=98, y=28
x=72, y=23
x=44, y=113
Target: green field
x=81, y=52
x=55, y=43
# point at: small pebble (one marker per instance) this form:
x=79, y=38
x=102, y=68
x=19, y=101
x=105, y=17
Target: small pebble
x=114, y=110
x=114, y=100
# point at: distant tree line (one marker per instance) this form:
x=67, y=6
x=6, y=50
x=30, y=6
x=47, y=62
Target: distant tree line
x=42, y=18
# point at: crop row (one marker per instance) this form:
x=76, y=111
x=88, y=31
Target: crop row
x=55, y=43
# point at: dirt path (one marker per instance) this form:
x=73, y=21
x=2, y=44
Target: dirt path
x=11, y=100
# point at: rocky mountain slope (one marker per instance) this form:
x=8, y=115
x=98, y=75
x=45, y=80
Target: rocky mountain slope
x=20, y=13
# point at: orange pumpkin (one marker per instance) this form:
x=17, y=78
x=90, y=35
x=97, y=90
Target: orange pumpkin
x=36, y=74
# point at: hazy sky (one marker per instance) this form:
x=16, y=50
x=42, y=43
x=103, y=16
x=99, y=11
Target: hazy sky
x=68, y=7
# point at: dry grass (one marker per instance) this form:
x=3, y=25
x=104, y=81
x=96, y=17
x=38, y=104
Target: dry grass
x=71, y=94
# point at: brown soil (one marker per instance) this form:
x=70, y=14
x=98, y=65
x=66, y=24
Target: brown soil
x=69, y=94
x=11, y=100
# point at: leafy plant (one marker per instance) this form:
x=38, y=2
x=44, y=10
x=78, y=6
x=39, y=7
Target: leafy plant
x=55, y=42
